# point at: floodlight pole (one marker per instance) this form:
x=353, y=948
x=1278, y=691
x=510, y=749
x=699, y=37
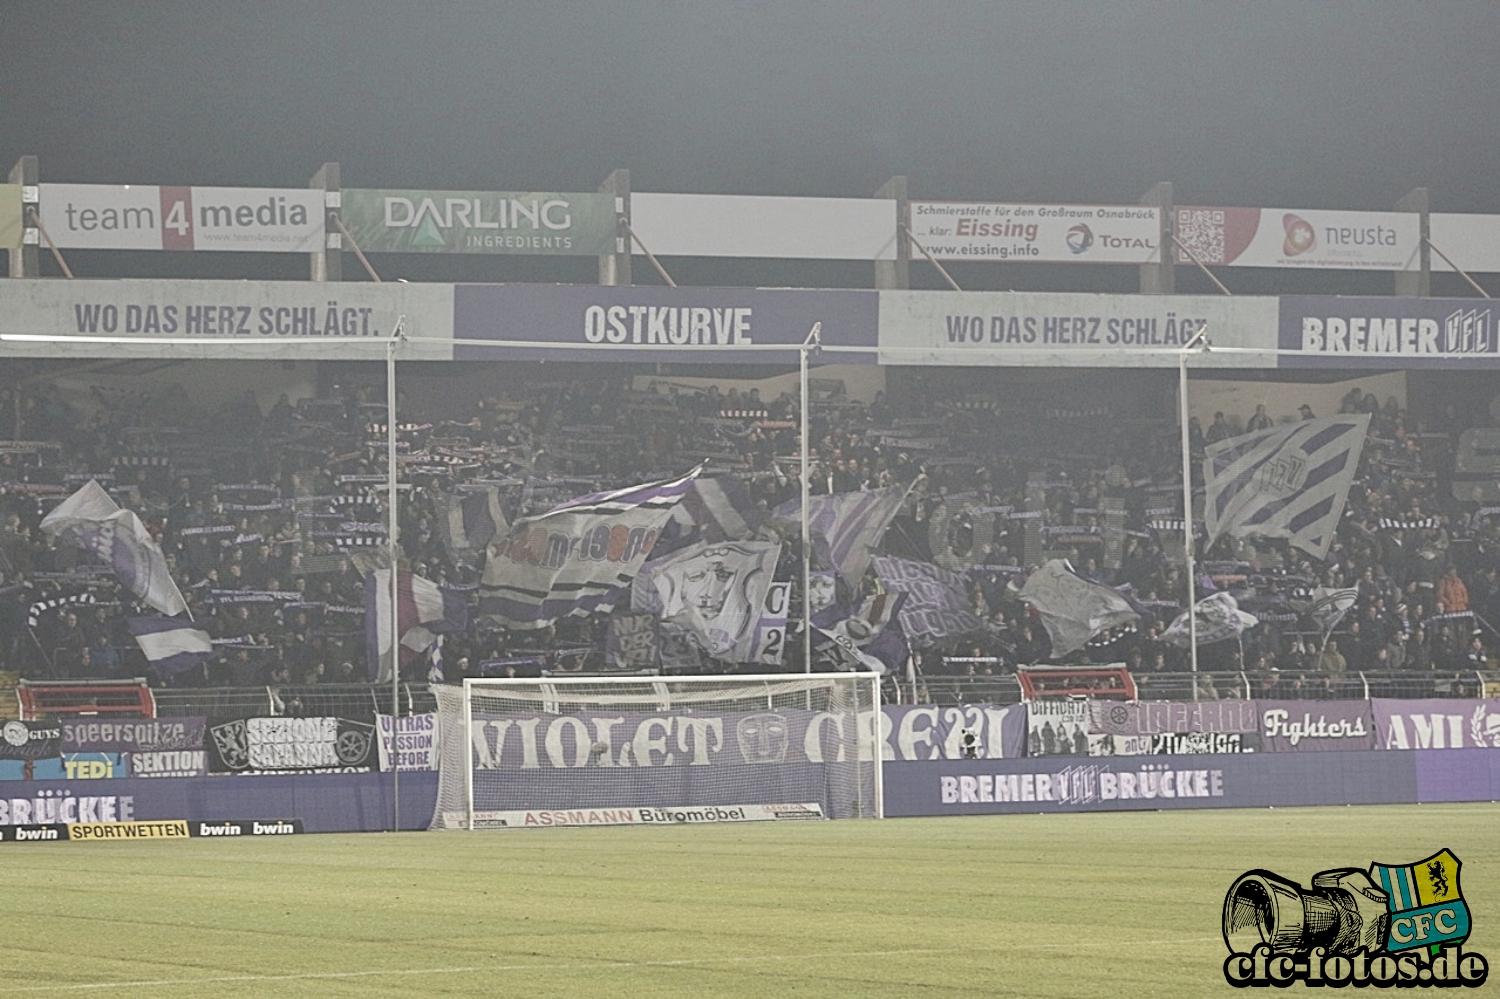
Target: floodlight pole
x=391, y=346
x=1199, y=341
x=810, y=344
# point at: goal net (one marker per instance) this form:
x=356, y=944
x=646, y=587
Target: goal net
x=630, y=750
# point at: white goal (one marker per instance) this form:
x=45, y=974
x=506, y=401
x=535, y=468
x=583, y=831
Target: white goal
x=646, y=750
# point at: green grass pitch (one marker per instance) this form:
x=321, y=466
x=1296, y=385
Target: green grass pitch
x=1123, y=904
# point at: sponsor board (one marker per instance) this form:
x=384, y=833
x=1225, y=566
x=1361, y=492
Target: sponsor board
x=160, y=829
x=11, y=227
x=147, y=217
x=245, y=827
x=1359, y=332
x=482, y=222
x=168, y=763
x=542, y=818
x=231, y=313
x=1094, y=234
x=168, y=829
x=739, y=225
x=27, y=740
x=1275, y=237
x=718, y=325
x=1064, y=329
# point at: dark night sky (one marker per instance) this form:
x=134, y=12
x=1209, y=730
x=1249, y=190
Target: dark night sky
x=1269, y=103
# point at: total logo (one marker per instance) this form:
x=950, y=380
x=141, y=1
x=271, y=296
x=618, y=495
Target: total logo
x=1080, y=238
x=1300, y=236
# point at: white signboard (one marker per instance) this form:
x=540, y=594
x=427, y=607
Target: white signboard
x=1004, y=233
x=1276, y=237
x=1063, y=330
x=247, y=320
x=1472, y=242
x=146, y=217
x=736, y=225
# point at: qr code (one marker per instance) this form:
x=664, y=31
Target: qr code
x=1201, y=233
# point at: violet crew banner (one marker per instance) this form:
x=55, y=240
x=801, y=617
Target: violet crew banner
x=1329, y=332
x=1316, y=726
x=485, y=222
x=1437, y=723
x=1081, y=234
x=146, y=217
x=931, y=732
x=710, y=325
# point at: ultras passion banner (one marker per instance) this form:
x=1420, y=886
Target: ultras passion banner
x=713, y=325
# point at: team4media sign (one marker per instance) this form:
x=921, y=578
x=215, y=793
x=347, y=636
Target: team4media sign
x=1388, y=925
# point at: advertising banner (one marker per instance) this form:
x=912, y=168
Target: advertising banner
x=1437, y=723
x=964, y=732
x=168, y=763
x=132, y=735
x=26, y=740
x=416, y=741
x=1388, y=332
x=744, y=225
x=646, y=324
x=1275, y=237
x=10, y=215
x=146, y=217
x=1081, y=234
x=279, y=745
x=987, y=787
x=1472, y=242
x=1313, y=726
x=248, y=320
x=1063, y=329
x=533, y=222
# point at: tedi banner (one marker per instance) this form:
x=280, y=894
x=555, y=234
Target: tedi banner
x=1330, y=332
x=483, y=222
x=1065, y=234
x=146, y=217
x=1391, y=924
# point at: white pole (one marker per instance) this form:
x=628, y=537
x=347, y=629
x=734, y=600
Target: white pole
x=1187, y=501
x=391, y=528
x=806, y=422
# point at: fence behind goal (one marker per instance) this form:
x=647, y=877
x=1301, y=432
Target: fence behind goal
x=713, y=748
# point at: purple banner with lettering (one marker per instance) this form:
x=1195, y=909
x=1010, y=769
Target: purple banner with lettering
x=1437, y=723
x=1388, y=332
x=132, y=735
x=655, y=324
x=1315, y=726
x=970, y=731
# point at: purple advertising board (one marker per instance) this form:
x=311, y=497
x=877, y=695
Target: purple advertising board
x=1238, y=780
x=1388, y=332
x=1437, y=723
x=1315, y=726
x=655, y=324
x=1458, y=775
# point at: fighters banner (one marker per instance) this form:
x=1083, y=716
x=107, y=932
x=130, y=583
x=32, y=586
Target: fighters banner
x=1303, y=726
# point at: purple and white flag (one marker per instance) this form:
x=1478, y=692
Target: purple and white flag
x=1072, y=609
x=424, y=611
x=845, y=527
x=1218, y=617
x=90, y=520
x=865, y=638
x=171, y=645
x=577, y=558
x=469, y=521
x=937, y=604
x=714, y=590
x=719, y=508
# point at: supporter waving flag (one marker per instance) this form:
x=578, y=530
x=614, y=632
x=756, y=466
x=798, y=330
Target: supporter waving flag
x=845, y=527
x=92, y=521
x=1072, y=609
x=1219, y=619
x=577, y=558
x=424, y=610
x=1290, y=482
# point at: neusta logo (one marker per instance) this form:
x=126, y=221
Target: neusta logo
x=1300, y=236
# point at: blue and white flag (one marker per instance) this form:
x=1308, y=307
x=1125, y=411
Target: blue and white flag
x=469, y=521
x=577, y=558
x=171, y=645
x=90, y=520
x=845, y=527
x=1290, y=482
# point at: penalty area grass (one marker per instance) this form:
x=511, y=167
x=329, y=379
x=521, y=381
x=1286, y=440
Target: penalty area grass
x=1116, y=904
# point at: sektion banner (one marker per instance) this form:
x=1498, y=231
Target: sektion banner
x=146, y=217
x=540, y=223
x=1083, y=234
x=1275, y=237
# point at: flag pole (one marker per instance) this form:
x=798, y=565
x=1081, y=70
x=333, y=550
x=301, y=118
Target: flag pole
x=808, y=345
x=390, y=536
x=1201, y=337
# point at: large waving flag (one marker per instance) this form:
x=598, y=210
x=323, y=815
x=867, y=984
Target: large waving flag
x=577, y=558
x=1219, y=619
x=92, y=521
x=1072, y=609
x=717, y=591
x=171, y=645
x=468, y=521
x=845, y=527
x=865, y=637
x=424, y=610
x=937, y=604
x=719, y=508
x=1290, y=482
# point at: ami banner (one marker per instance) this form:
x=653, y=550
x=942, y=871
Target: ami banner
x=545, y=223
x=1388, y=332
x=1437, y=723
x=147, y=217
x=713, y=325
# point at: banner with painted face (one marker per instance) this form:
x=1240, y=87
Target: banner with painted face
x=716, y=591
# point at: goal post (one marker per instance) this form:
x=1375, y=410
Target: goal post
x=653, y=749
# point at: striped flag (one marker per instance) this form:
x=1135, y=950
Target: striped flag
x=719, y=508
x=423, y=610
x=170, y=645
x=577, y=558
x=1290, y=482
x=93, y=521
x=845, y=527
x=469, y=521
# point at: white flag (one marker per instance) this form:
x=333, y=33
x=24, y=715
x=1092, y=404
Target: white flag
x=714, y=590
x=1219, y=618
x=1073, y=609
x=92, y=521
x=1290, y=482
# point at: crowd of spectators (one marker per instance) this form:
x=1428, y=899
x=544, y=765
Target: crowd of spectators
x=270, y=516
